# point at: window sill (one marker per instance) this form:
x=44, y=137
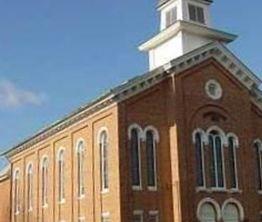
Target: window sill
x=45, y=206
x=81, y=219
x=105, y=191
x=153, y=189
x=136, y=188
x=198, y=23
x=81, y=197
x=217, y=190
x=62, y=202
x=234, y=191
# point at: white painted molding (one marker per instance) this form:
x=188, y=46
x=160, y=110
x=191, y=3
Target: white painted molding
x=100, y=131
x=203, y=136
x=28, y=166
x=221, y=133
x=137, y=127
x=78, y=142
x=155, y=132
x=61, y=149
x=234, y=136
x=211, y=201
x=43, y=158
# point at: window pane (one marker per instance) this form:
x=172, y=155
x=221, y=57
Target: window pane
x=44, y=182
x=150, y=151
x=200, y=15
x=171, y=17
x=212, y=162
x=29, y=187
x=192, y=13
x=137, y=218
x=104, y=161
x=219, y=162
x=135, y=163
x=199, y=160
x=17, y=192
x=232, y=163
x=231, y=213
x=207, y=213
x=259, y=166
x=105, y=164
x=61, y=194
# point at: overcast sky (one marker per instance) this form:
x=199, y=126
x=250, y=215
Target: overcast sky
x=57, y=55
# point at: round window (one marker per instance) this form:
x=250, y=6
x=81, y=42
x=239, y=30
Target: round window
x=213, y=89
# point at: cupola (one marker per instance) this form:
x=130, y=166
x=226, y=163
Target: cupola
x=184, y=26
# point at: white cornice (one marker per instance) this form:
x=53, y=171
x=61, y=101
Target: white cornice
x=141, y=83
x=189, y=27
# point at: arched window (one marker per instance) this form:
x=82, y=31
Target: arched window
x=217, y=163
x=44, y=181
x=30, y=187
x=135, y=158
x=207, y=213
x=16, y=180
x=151, y=159
x=231, y=213
x=103, y=143
x=232, y=162
x=61, y=176
x=80, y=168
x=258, y=147
x=200, y=159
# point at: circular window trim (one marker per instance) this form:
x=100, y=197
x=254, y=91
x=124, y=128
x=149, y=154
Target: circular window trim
x=219, y=91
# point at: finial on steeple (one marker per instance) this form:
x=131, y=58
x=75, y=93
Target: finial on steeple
x=185, y=25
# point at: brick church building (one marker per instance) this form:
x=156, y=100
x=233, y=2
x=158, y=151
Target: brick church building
x=181, y=143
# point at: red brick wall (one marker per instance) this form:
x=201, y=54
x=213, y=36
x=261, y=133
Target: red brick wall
x=5, y=206
x=237, y=112
x=176, y=107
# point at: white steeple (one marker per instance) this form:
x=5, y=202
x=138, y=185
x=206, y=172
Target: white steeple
x=184, y=26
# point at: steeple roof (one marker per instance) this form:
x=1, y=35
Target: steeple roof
x=162, y=2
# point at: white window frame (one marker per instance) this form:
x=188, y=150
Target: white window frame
x=197, y=18
x=156, y=141
x=258, y=142
x=80, y=150
x=237, y=204
x=223, y=138
x=204, y=142
x=16, y=182
x=61, y=176
x=44, y=179
x=211, y=201
x=173, y=13
x=154, y=213
x=102, y=131
x=81, y=219
x=260, y=163
x=236, y=147
x=105, y=216
x=29, y=194
x=139, y=213
x=140, y=135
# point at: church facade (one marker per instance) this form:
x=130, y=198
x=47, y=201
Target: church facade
x=181, y=143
